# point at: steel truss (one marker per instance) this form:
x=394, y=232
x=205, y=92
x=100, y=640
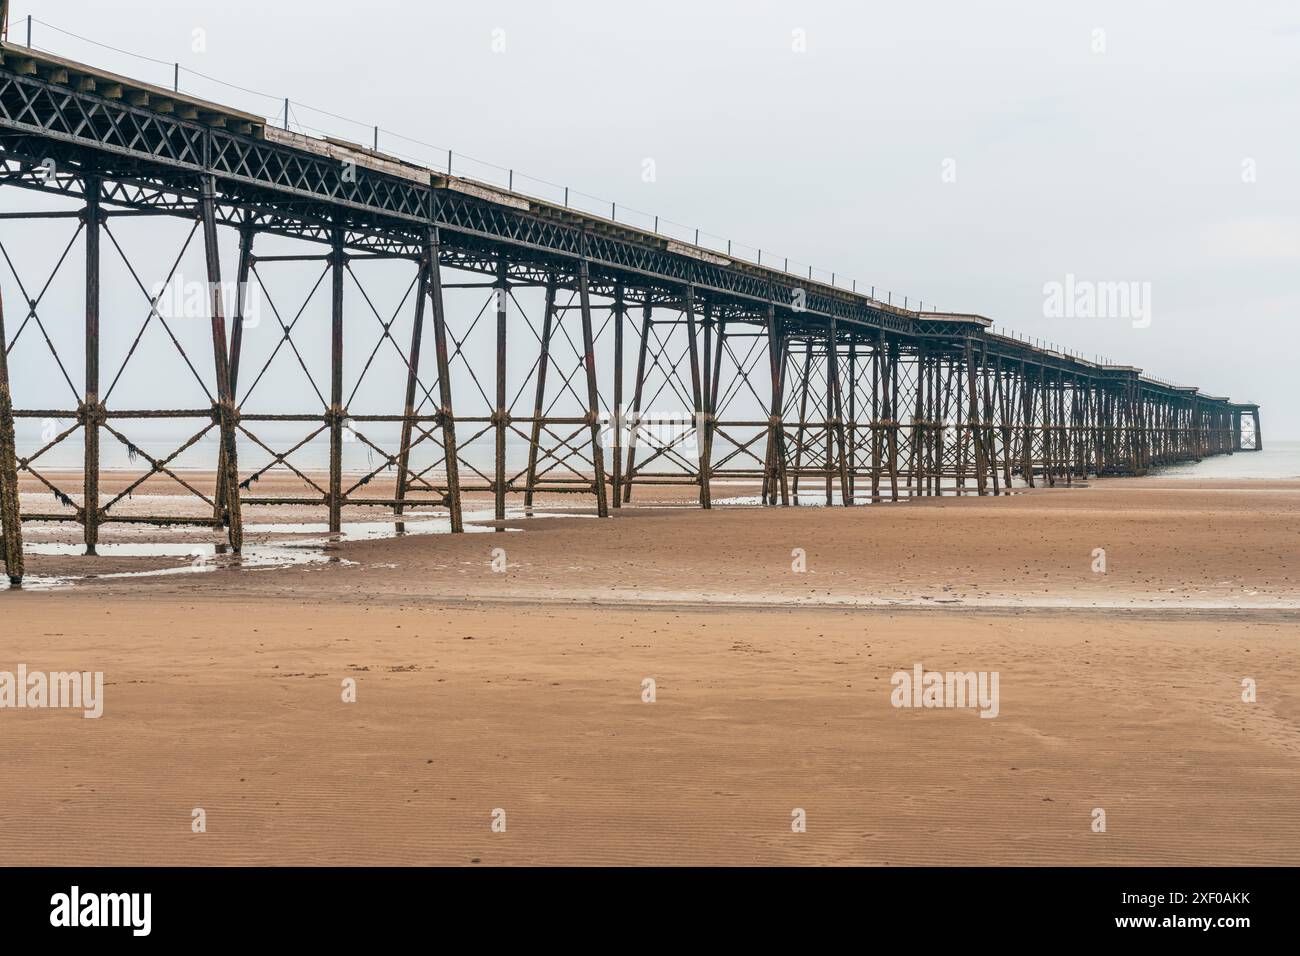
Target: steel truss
x=652, y=363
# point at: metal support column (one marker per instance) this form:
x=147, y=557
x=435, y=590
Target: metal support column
x=337, y=264
x=220, y=505
x=226, y=415
x=446, y=415
x=593, y=393
x=616, y=455
x=975, y=420
x=10, y=519
x=412, y=380
x=634, y=419
x=539, y=400
x=697, y=395
x=92, y=412
x=835, y=412
x=500, y=416
x=775, y=477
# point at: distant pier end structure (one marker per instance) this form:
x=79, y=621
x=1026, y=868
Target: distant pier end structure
x=460, y=338
x=1249, y=438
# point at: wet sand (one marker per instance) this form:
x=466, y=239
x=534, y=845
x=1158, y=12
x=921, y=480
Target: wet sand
x=522, y=690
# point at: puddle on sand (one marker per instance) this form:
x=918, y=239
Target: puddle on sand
x=203, y=558
x=817, y=499
x=312, y=549
x=408, y=525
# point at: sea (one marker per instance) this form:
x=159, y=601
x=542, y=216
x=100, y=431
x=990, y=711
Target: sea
x=160, y=439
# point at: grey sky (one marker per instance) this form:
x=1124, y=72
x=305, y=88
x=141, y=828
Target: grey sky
x=1125, y=164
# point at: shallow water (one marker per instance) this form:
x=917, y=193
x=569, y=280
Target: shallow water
x=1278, y=461
x=203, y=558
x=817, y=499
x=208, y=556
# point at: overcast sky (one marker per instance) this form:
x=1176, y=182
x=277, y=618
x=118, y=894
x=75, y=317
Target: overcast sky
x=963, y=154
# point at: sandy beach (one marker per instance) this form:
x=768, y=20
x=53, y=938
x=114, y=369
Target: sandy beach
x=523, y=690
